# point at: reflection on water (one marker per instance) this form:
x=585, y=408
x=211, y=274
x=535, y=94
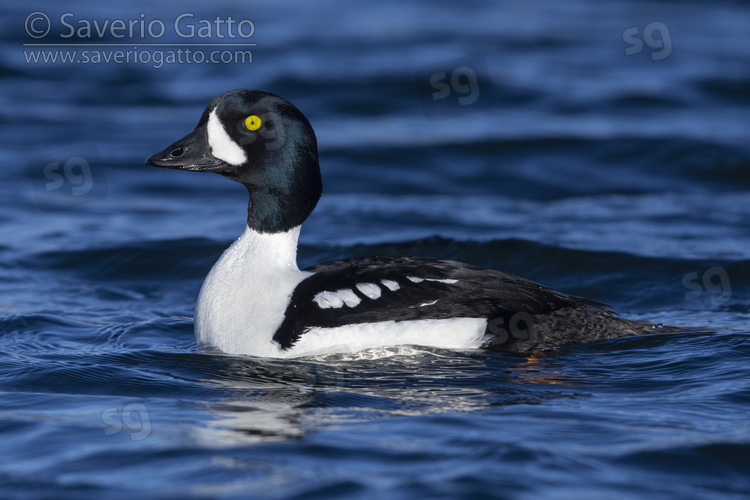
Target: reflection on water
x=272, y=400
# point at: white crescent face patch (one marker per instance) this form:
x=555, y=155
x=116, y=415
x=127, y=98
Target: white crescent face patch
x=222, y=146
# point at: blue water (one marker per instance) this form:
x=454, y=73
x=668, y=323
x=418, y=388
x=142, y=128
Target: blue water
x=600, y=148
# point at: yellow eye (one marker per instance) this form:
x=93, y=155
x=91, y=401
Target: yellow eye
x=253, y=122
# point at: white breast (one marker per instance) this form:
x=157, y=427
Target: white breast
x=243, y=299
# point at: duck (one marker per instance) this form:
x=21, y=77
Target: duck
x=256, y=301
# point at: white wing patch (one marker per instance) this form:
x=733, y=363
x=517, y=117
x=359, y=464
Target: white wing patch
x=339, y=298
x=390, y=285
x=328, y=300
x=447, y=281
x=222, y=146
x=347, y=297
x=369, y=290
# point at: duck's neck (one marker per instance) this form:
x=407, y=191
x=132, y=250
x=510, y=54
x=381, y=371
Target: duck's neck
x=268, y=251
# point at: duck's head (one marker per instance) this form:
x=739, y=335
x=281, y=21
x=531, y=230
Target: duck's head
x=261, y=141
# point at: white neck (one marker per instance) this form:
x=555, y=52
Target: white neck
x=243, y=298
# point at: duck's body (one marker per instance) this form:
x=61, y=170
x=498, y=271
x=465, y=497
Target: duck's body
x=256, y=301
x=295, y=313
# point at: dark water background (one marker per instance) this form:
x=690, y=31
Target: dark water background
x=600, y=148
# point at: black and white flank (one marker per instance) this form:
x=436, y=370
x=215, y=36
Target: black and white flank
x=256, y=301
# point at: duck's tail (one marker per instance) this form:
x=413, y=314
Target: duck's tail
x=575, y=325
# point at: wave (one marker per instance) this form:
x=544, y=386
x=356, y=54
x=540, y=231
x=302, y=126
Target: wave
x=618, y=278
